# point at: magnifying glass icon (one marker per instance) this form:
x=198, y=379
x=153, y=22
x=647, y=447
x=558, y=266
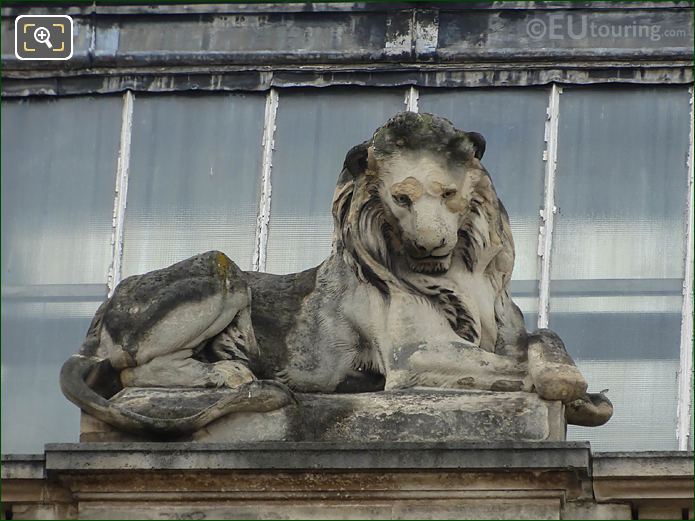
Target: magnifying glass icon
x=43, y=35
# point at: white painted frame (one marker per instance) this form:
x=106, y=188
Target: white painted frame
x=685, y=367
x=121, y=198
x=412, y=95
x=272, y=102
x=547, y=213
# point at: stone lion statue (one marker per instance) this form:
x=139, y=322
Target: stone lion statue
x=414, y=293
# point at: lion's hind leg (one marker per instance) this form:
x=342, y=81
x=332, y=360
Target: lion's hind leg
x=179, y=369
x=223, y=360
x=233, y=352
x=158, y=326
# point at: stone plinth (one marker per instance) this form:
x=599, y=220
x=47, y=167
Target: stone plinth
x=322, y=480
x=289, y=480
x=417, y=415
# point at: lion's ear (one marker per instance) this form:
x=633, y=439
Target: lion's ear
x=356, y=159
x=478, y=144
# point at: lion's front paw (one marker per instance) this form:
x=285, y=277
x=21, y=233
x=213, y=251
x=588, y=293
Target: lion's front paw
x=399, y=380
x=559, y=382
x=553, y=372
x=232, y=373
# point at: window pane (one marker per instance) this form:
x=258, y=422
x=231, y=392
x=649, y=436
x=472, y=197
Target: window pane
x=618, y=253
x=58, y=166
x=643, y=394
x=58, y=176
x=315, y=129
x=513, y=124
x=194, y=179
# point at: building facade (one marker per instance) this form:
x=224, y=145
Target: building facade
x=179, y=128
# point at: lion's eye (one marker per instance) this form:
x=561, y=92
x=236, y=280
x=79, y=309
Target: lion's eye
x=448, y=194
x=402, y=200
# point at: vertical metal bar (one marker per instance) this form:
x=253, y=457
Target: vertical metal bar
x=268, y=144
x=411, y=98
x=545, y=238
x=120, y=201
x=685, y=368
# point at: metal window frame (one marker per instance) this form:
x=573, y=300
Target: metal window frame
x=547, y=213
x=412, y=95
x=121, y=190
x=272, y=102
x=685, y=366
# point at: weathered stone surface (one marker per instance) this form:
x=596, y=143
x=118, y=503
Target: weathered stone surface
x=591, y=510
x=423, y=508
x=670, y=474
x=368, y=456
x=413, y=415
x=422, y=415
x=392, y=480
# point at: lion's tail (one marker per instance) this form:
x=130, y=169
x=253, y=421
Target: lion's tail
x=73, y=376
x=257, y=396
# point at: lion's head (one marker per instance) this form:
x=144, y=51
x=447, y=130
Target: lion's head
x=413, y=198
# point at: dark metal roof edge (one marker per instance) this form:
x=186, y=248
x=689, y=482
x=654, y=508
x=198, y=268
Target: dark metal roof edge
x=87, y=9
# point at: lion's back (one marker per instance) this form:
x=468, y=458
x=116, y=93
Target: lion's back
x=276, y=302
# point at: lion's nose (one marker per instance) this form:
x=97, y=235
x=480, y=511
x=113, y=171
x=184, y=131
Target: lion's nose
x=427, y=249
x=420, y=249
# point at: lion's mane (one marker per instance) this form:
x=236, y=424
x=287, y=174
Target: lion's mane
x=363, y=235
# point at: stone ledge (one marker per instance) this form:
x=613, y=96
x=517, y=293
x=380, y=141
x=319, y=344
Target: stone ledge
x=314, y=456
x=659, y=479
x=322, y=480
x=22, y=466
x=667, y=464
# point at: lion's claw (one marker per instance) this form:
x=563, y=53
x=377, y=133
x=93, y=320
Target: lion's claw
x=232, y=373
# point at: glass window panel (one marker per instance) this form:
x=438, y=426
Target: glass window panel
x=513, y=124
x=315, y=129
x=58, y=189
x=194, y=179
x=618, y=253
x=58, y=176
x=37, y=337
x=643, y=395
x=621, y=184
